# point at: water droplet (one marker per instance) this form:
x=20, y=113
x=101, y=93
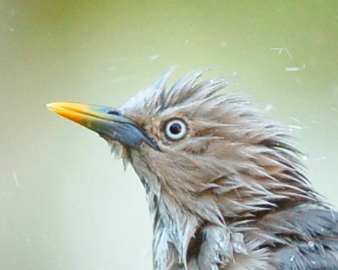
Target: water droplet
x=238, y=243
x=311, y=244
x=295, y=127
x=294, y=119
x=295, y=68
x=292, y=258
x=319, y=158
x=268, y=107
x=154, y=57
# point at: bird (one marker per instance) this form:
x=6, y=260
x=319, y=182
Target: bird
x=225, y=184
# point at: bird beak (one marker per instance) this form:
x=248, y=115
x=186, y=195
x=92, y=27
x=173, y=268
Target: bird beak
x=108, y=122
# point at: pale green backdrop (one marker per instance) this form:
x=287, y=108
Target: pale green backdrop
x=65, y=203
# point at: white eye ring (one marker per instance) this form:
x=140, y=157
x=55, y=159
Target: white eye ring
x=175, y=129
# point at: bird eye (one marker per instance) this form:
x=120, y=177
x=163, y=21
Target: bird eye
x=175, y=129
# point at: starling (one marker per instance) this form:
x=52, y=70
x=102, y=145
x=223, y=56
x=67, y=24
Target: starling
x=225, y=184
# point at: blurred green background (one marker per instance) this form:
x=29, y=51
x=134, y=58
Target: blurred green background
x=65, y=202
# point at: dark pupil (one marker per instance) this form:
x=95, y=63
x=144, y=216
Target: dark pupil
x=175, y=128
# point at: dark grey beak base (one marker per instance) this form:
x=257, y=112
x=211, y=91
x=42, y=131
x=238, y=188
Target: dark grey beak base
x=126, y=132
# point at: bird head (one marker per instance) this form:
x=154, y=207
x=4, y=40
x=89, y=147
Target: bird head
x=207, y=159
x=214, y=155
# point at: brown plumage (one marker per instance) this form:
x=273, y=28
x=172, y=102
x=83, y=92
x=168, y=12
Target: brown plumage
x=224, y=184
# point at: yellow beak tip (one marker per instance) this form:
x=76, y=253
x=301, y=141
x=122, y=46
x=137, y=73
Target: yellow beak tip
x=75, y=112
x=53, y=106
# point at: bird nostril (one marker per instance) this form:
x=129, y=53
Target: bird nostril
x=114, y=113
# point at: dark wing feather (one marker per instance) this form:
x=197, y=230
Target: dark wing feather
x=312, y=236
